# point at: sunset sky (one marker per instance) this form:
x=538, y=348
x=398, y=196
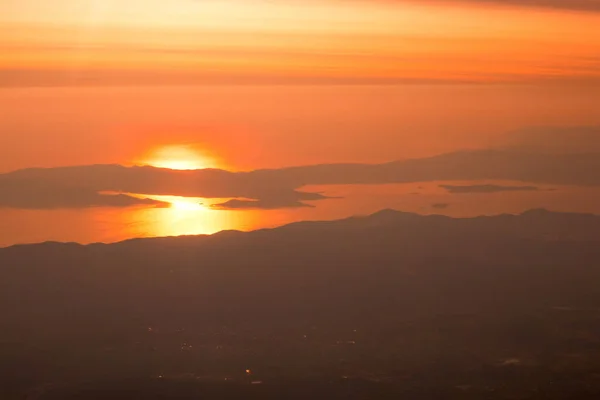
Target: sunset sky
x=182, y=41
x=479, y=92
x=355, y=199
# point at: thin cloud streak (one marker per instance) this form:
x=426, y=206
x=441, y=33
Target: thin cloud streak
x=465, y=189
x=575, y=5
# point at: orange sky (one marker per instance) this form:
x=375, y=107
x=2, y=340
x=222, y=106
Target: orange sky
x=148, y=42
x=156, y=41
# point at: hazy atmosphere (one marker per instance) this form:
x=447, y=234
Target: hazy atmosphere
x=323, y=196
x=531, y=131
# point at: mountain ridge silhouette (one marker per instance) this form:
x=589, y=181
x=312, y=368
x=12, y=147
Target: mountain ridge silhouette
x=387, y=216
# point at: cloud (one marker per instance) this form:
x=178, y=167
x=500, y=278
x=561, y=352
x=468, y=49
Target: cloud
x=43, y=77
x=582, y=5
x=486, y=188
x=549, y=139
x=575, y=5
x=493, y=164
x=294, y=199
x=44, y=195
x=575, y=74
x=237, y=204
x=277, y=188
x=84, y=186
x=440, y=206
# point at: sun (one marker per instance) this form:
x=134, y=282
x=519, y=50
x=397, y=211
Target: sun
x=180, y=157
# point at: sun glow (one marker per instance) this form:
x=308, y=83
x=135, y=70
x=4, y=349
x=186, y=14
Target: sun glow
x=180, y=157
x=183, y=216
x=180, y=205
x=187, y=216
x=184, y=204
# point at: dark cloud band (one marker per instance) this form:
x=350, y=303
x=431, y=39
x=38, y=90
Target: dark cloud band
x=525, y=157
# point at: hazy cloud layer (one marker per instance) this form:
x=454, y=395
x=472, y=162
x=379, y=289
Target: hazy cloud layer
x=82, y=186
x=456, y=189
x=560, y=169
x=559, y=140
x=40, y=77
x=577, y=5
x=237, y=204
x=292, y=199
x=276, y=188
x=15, y=193
x=557, y=156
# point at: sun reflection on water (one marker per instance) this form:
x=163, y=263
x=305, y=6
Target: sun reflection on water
x=184, y=216
x=189, y=216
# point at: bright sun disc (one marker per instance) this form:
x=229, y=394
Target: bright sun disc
x=181, y=157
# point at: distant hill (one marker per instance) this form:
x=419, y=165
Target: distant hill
x=393, y=296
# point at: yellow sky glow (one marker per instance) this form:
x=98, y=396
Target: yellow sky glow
x=180, y=157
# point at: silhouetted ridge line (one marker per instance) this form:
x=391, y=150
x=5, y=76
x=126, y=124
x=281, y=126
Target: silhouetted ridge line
x=536, y=221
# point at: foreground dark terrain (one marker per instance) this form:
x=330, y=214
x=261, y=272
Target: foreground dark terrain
x=392, y=305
